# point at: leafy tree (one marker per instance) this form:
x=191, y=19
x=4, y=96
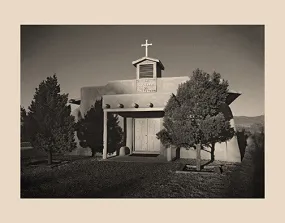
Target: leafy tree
x=193, y=117
x=49, y=121
x=90, y=130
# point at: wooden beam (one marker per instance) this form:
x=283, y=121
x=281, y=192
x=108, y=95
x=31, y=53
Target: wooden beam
x=133, y=109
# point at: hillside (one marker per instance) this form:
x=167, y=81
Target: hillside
x=249, y=123
x=244, y=120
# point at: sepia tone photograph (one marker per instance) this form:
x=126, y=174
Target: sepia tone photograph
x=142, y=111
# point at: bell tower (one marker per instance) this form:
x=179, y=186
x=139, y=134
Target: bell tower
x=147, y=67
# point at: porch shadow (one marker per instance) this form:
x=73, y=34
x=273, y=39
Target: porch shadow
x=144, y=155
x=145, y=158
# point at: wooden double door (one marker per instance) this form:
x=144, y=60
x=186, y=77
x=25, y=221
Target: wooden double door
x=145, y=134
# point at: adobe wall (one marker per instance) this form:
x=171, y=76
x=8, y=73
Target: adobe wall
x=157, y=99
x=165, y=86
x=124, y=92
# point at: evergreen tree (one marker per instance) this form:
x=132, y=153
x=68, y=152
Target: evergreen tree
x=49, y=121
x=115, y=133
x=23, y=115
x=193, y=117
x=90, y=130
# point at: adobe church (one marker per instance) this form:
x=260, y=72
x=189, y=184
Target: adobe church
x=140, y=103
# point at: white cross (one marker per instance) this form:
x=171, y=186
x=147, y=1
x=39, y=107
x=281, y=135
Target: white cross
x=146, y=46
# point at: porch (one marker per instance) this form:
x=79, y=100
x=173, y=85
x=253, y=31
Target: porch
x=140, y=126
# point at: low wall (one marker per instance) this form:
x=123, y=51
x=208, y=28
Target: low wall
x=79, y=151
x=227, y=151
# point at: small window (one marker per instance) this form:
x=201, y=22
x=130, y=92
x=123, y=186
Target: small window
x=146, y=71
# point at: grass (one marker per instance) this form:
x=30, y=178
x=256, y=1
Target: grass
x=85, y=177
x=90, y=178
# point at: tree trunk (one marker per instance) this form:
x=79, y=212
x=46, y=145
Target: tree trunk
x=213, y=152
x=92, y=152
x=198, y=157
x=49, y=157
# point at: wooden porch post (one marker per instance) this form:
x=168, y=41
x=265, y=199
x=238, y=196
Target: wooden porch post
x=129, y=133
x=105, y=143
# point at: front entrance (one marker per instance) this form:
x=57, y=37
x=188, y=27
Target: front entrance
x=145, y=134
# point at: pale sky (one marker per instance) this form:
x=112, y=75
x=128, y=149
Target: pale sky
x=93, y=55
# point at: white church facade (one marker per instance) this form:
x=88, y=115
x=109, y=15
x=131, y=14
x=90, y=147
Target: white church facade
x=140, y=105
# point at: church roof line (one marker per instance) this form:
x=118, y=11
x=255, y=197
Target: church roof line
x=148, y=58
x=161, y=78
x=231, y=97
